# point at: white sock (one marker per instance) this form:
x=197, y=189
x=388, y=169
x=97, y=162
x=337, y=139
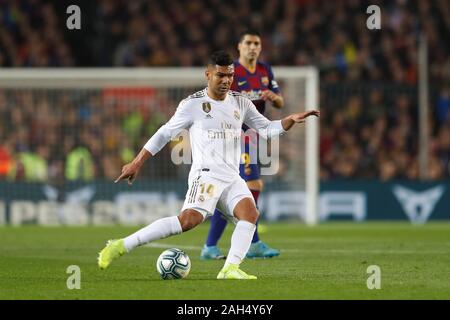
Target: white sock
x=160, y=229
x=240, y=242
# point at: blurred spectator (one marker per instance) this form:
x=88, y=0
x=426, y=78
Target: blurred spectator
x=6, y=160
x=443, y=106
x=30, y=166
x=443, y=150
x=80, y=165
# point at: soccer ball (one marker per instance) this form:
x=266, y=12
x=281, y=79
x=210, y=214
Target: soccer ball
x=173, y=264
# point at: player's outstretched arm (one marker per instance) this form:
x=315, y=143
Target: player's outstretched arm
x=267, y=128
x=300, y=117
x=131, y=170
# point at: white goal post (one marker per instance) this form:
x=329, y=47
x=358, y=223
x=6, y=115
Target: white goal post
x=299, y=87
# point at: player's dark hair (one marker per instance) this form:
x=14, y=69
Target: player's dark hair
x=250, y=32
x=220, y=58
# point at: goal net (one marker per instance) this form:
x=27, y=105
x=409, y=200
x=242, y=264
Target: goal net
x=65, y=134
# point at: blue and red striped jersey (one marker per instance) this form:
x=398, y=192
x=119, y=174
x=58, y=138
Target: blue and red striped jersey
x=251, y=85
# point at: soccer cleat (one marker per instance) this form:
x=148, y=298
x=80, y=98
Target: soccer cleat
x=261, y=250
x=232, y=272
x=211, y=253
x=113, y=250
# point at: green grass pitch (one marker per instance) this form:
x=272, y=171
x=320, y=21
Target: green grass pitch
x=326, y=262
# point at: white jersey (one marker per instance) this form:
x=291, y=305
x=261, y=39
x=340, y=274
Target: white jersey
x=215, y=128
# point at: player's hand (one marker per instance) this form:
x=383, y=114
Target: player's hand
x=129, y=171
x=269, y=95
x=301, y=116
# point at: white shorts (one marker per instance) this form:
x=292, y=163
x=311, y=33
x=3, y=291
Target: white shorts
x=205, y=193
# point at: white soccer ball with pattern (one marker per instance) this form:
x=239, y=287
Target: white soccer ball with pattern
x=173, y=264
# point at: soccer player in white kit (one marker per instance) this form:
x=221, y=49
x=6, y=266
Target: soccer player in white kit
x=214, y=118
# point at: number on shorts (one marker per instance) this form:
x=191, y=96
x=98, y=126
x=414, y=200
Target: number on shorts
x=209, y=189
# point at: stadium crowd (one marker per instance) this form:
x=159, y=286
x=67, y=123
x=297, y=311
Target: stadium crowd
x=368, y=79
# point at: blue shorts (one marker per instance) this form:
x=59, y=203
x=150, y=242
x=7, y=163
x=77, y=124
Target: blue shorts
x=249, y=172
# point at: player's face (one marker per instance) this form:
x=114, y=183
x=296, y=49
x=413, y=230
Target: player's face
x=220, y=79
x=250, y=47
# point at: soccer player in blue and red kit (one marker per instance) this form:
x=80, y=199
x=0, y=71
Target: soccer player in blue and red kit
x=254, y=80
